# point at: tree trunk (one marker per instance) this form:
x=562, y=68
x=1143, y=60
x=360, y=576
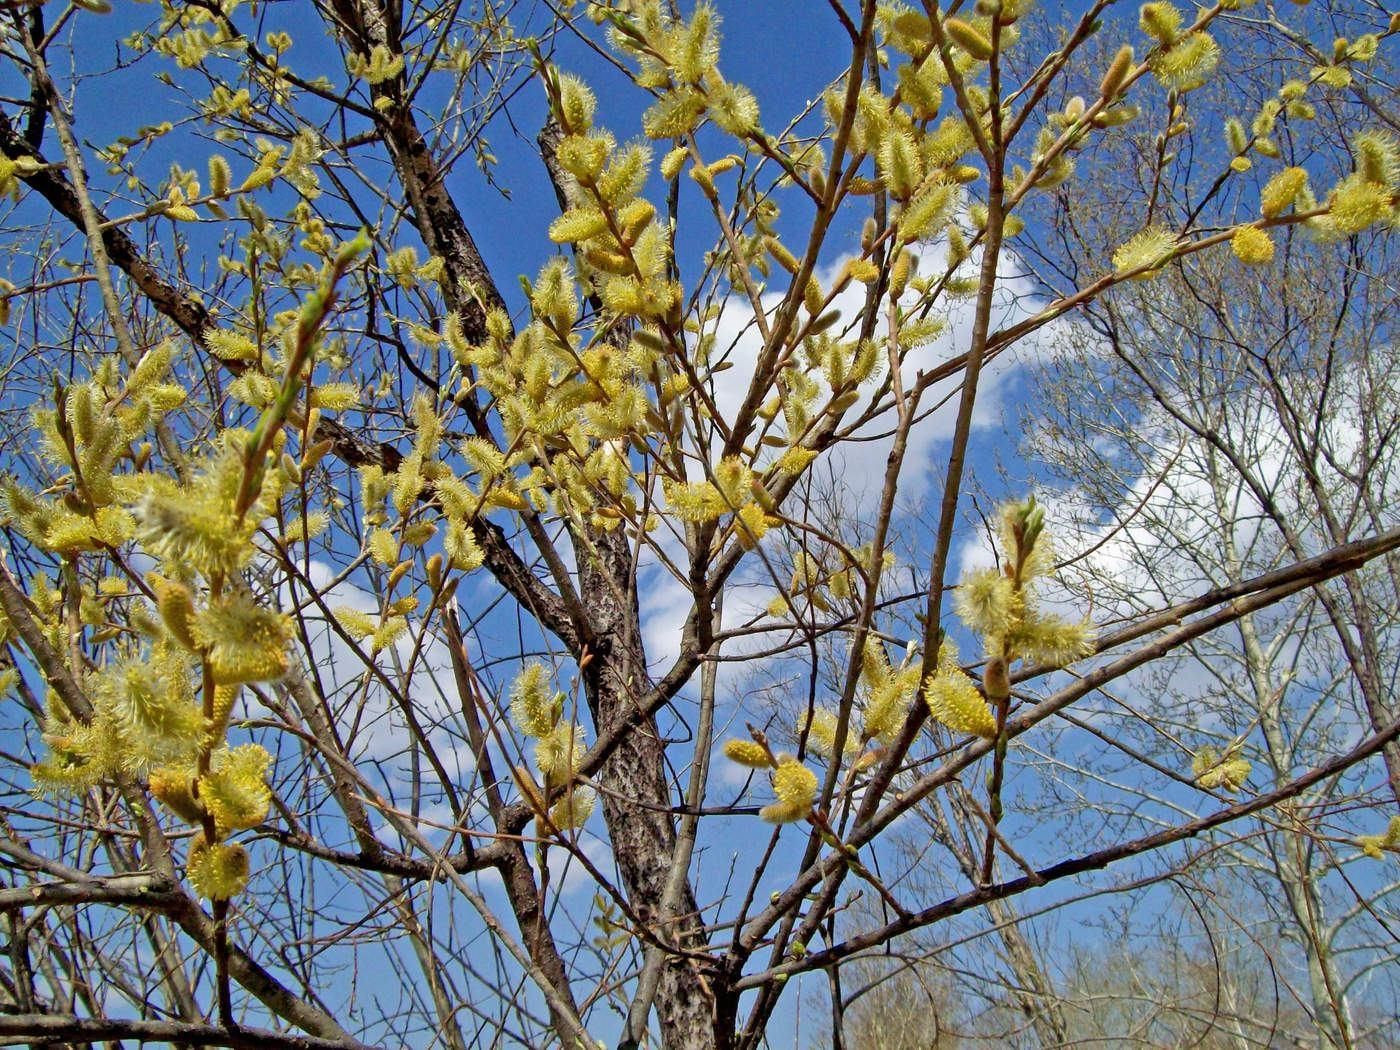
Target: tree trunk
x=636, y=798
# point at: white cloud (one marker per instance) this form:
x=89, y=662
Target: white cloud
x=1188, y=523
x=859, y=465
x=1016, y=299
x=369, y=719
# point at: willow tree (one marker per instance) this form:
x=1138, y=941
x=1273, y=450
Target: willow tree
x=328, y=550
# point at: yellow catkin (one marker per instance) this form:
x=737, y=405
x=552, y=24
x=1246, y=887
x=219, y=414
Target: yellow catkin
x=173, y=785
x=176, y=606
x=531, y=707
x=224, y=698
x=1252, y=246
x=796, y=789
x=1357, y=203
x=1213, y=770
x=747, y=753
x=235, y=789
x=1152, y=248
x=573, y=810
x=968, y=37
x=821, y=734
x=1281, y=191
x=218, y=872
x=1117, y=74
x=1374, y=846
x=955, y=701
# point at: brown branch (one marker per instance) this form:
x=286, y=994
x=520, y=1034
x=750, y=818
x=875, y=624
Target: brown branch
x=16, y=1028
x=16, y=608
x=1243, y=598
x=1095, y=861
x=137, y=890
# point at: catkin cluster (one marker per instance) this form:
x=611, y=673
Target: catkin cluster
x=538, y=714
x=173, y=648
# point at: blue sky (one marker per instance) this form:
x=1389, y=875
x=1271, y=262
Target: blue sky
x=787, y=52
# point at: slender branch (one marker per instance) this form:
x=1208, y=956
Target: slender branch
x=1094, y=861
x=16, y=1029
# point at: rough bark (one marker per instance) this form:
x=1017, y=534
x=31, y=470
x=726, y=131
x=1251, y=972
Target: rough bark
x=636, y=798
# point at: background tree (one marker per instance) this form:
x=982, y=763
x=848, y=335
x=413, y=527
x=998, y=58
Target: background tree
x=1260, y=429
x=339, y=574
x=1282, y=690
